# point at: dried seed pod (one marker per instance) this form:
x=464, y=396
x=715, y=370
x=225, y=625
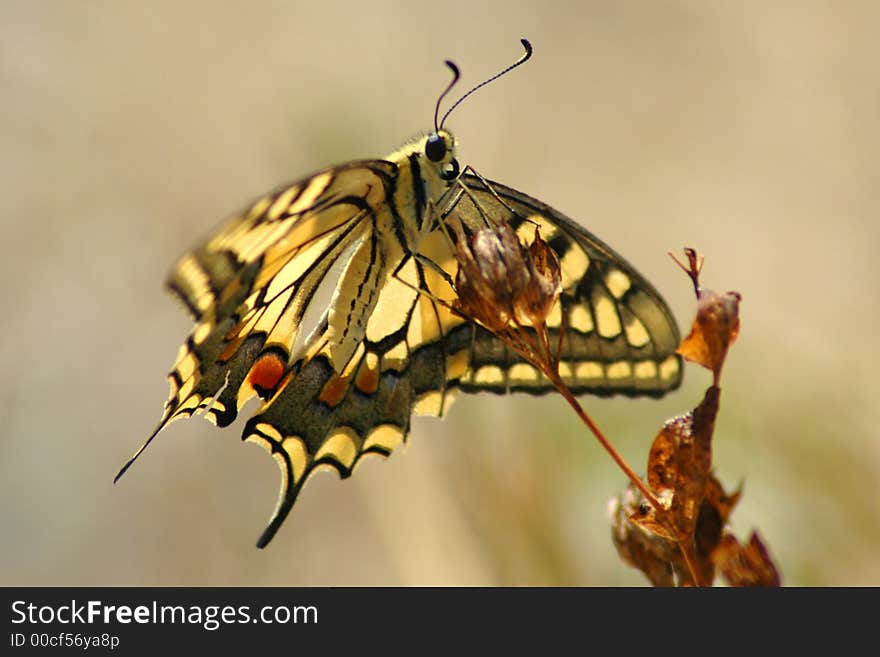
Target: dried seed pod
x=493, y=272
x=545, y=284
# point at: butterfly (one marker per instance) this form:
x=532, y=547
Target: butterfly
x=389, y=343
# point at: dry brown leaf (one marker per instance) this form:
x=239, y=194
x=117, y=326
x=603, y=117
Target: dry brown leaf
x=688, y=523
x=638, y=544
x=745, y=565
x=686, y=527
x=721, y=501
x=713, y=331
x=680, y=460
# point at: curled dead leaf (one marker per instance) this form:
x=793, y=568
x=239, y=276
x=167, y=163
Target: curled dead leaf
x=680, y=460
x=715, y=328
x=639, y=539
x=745, y=565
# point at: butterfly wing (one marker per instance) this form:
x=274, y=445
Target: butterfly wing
x=249, y=285
x=406, y=363
x=618, y=334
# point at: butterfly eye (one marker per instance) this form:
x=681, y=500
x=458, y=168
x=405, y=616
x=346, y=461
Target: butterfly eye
x=435, y=148
x=450, y=171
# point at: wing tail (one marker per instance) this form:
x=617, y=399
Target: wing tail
x=169, y=417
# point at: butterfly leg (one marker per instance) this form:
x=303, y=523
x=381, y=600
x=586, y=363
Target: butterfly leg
x=465, y=190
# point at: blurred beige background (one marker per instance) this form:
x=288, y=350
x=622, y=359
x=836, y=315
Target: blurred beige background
x=749, y=131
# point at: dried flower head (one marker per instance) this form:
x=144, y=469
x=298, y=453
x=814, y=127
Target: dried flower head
x=545, y=284
x=501, y=283
x=492, y=273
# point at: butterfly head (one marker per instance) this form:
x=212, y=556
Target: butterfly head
x=439, y=150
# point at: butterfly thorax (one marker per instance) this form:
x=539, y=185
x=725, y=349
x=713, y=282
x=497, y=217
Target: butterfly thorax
x=425, y=169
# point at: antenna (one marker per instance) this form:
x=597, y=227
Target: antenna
x=456, y=74
x=522, y=60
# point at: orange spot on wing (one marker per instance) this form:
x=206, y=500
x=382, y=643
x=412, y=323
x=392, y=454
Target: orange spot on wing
x=230, y=350
x=266, y=372
x=333, y=391
x=367, y=380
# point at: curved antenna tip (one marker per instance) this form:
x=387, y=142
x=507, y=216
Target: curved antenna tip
x=527, y=46
x=456, y=74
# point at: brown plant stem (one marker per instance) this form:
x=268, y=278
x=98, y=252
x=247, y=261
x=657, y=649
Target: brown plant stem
x=539, y=353
x=582, y=414
x=536, y=349
x=550, y=367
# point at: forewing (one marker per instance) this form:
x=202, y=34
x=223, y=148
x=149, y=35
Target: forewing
x=618, y=334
